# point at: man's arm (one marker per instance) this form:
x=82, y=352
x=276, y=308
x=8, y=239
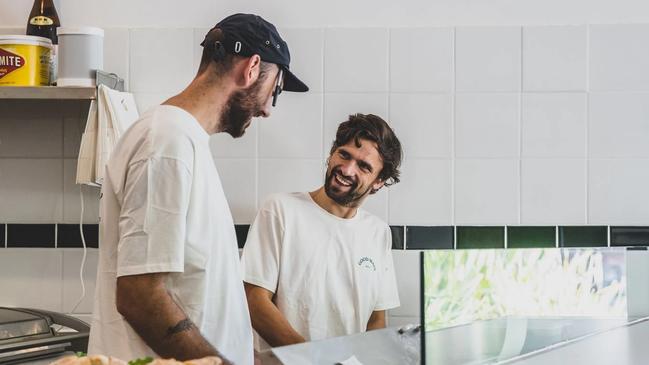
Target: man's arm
x=376, y=321
x=148, y=307
x=267, y=320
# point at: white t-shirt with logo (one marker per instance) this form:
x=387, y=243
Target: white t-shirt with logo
x=163, y=210
x=328, y=273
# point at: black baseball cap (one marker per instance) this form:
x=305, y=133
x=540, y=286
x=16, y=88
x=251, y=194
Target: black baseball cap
x=248, y=34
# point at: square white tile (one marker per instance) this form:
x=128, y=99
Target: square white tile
x=23, y=285
x=486, y=192
x=277, y=176
x=31, y=190
x=116, y=52
x=338, y=108
x=617, y=192
x=356, y=60
x=29, y=128
x=555, y=58
x=306, y=46
x=423, y=123
x=72, y=197
x=421, y=59
x=294, y=130
x=74, y=124
x=487, y=126
x=619, y=57
x=618, y=126
x=553, y=191
x=156, y=61
x=424, y=195
x=554, y=125
x=377, y=204
x=406, y=267
x=224, y=146
x=239, y=178
x=71, y=282
x=488, y=59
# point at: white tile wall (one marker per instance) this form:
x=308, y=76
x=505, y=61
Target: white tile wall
x=294, y=129
x=356, y=60
x=423, y=123
x=338, y=107
x=553, y=125
x=31, y=190
x=553, y=190
x=555, y=58
x=407, y=271
x=23, y=286
x=71, y=282
x=487, y=126
x=421, y=60
x=223, y=145
x=486, y=192
x=72, y=197
x=424, y=195
x=239, y=178
x=161, y=60
x=116, y=52
x=585, y=96
x=488, y=59
x=307, y=49
x=617, y=192
x=288, y=176
x=618, y=58
x=29, y=129
x=618, y=126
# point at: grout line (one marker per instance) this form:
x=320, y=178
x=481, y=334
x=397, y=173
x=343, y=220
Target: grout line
x=454, y=237
x=56, y=235
x=453, y=132
x=520, y=137
x=608, y=236
x=506, y=238
x=587, y=129
x=556, y=236
x=405, y=237
x=6, y=233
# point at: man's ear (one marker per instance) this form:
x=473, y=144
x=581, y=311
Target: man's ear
x=377, y=185
x=251, y=70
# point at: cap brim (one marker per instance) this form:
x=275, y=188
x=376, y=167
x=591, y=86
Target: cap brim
x=292, y=83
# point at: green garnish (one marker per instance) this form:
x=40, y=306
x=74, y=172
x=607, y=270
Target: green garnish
x=142, y=361
x=80, y=354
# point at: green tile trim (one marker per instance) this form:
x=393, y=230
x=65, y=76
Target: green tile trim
x=583, y=236
x=531, y=237
x=480, y=237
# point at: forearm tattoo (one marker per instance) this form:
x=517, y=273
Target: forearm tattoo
x=184, y=325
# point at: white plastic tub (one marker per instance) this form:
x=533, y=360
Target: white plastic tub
x=81, y=54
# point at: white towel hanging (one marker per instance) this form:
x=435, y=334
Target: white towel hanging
x=109, y=116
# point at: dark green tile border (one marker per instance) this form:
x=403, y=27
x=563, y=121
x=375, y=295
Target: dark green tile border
x=429, y=238
x=68, y=235
x=531, y=237
x=30, y=235
x=397, y=237
x=480, y=237
x=583, y=236
x=2, y=235
x=629, y=236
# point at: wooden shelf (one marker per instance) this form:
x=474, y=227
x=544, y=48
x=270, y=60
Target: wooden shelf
x=48, y=92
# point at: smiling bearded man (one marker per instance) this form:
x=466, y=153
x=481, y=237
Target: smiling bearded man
x=315, y=265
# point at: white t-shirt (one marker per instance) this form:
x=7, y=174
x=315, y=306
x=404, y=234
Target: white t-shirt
x=163, y=210
x=328, y=273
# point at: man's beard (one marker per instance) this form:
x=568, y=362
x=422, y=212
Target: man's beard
x=351, y=198
x=240, y=108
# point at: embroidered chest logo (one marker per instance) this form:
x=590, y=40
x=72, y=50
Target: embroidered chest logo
x=367, y=263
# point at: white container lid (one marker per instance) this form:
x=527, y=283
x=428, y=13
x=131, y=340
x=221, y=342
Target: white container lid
x=26, y=39
x=80, y=30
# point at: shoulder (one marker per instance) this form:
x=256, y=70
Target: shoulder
x=282, y=201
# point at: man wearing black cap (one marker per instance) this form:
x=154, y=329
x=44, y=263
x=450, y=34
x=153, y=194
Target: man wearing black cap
x=169, y=281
